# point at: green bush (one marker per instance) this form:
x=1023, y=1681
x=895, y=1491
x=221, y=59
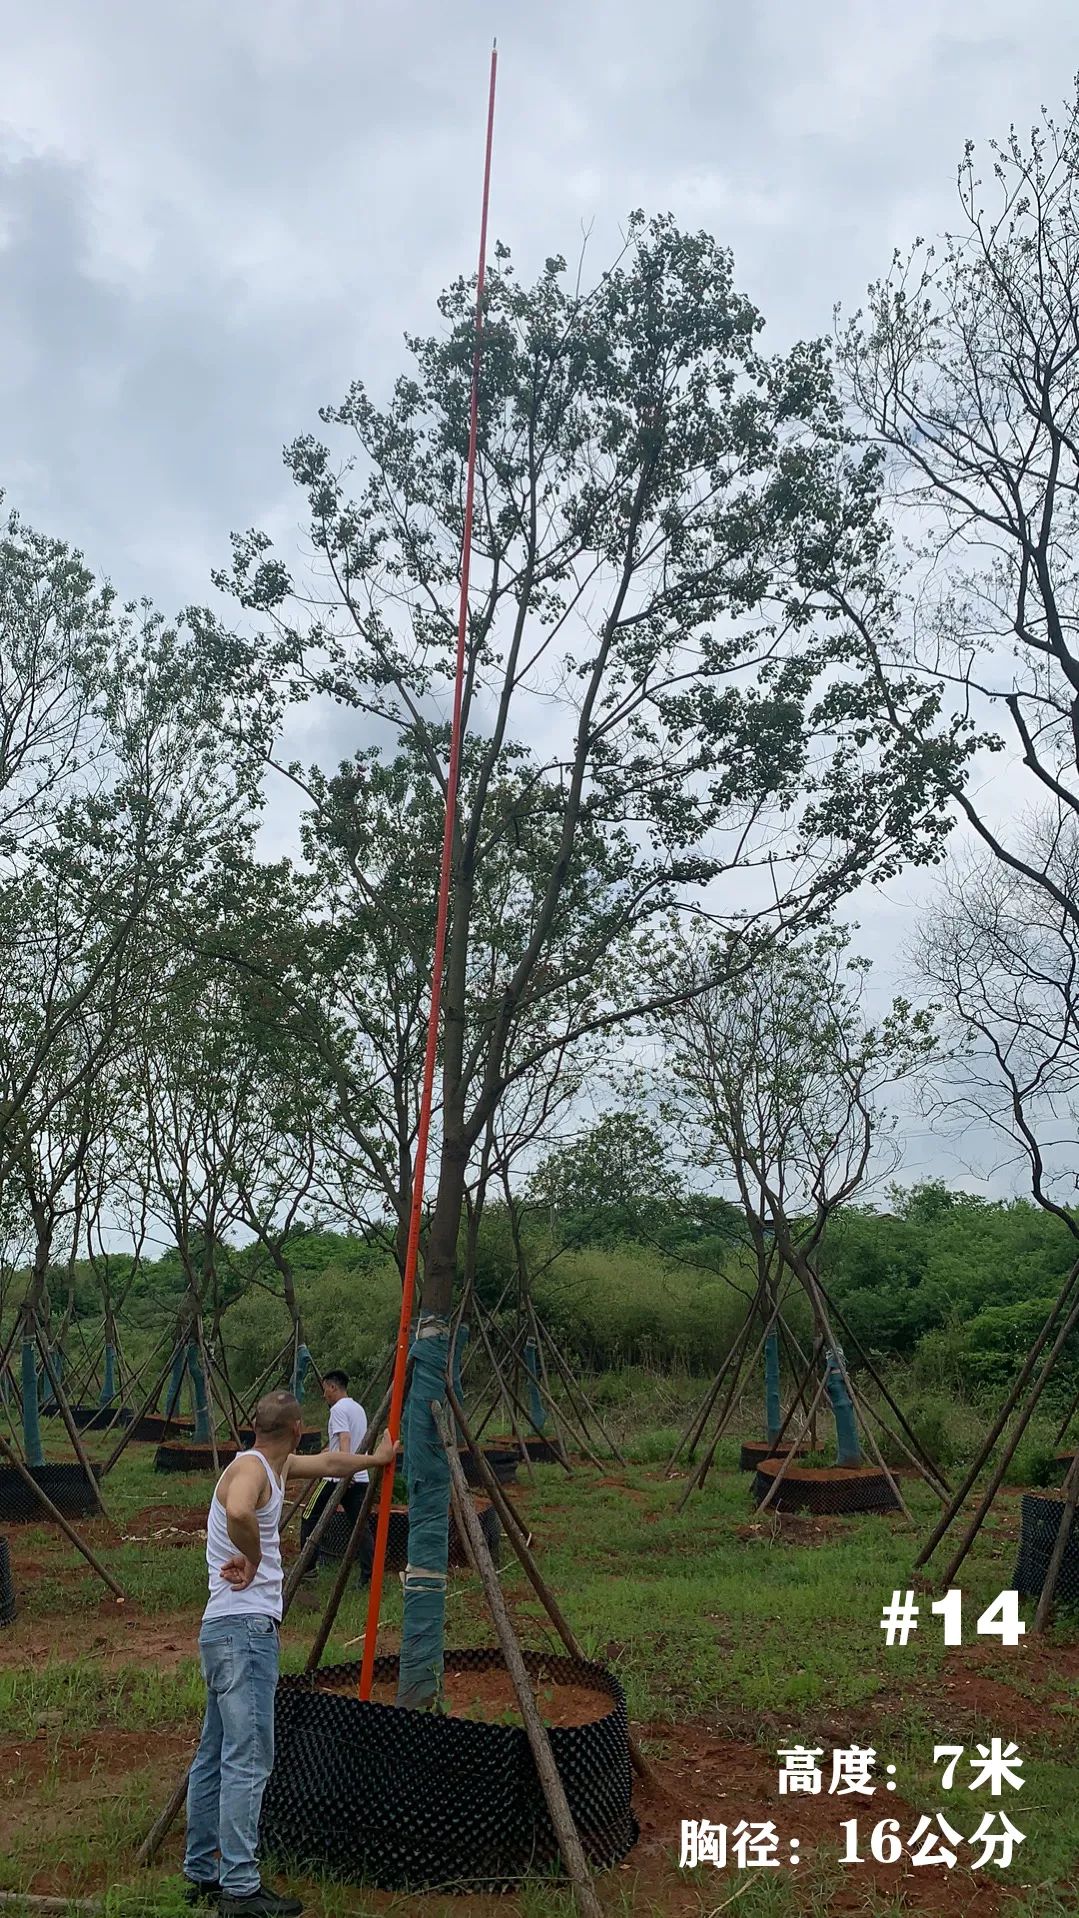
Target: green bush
x=1034, y=1464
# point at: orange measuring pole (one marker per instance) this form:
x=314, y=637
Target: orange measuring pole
x=408, y=1286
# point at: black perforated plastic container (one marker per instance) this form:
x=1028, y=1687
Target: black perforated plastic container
x=311, y=1439
x=153, y=1428
x=1040, y=1515
x=91, y=1418
x=542, y=1451
x=334, y=1541
x=8, y=1606
x=502, y=1462
x=843, y=1489
x=420, y=1801
x=68, y=1486
x=184, y=1455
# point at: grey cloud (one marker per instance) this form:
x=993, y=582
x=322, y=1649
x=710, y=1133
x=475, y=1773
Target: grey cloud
x=212, y=218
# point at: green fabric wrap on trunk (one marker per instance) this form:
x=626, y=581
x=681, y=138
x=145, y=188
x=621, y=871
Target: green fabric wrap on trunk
x=848, y=1451
x=108, y=1382
x=299, y=1372
x=773, y=1411
x=202, y=1408
x=428, y=1473
x=31, y=1427
x=176, y=1384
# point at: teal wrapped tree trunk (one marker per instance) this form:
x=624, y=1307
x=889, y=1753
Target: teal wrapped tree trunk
x=48, y=1396
x=848, y=1452
x=300, y=1371
x=773, y=1410
x=176, y=1383
x=31, y=1424
x=428, y=1473
x=198, y=1384
x=536, y=1409
x=108, y=1380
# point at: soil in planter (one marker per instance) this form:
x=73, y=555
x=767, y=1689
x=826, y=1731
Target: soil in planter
x=490, y=1697
x=756, y=1451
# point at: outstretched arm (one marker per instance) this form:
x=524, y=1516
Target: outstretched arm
x=342, y=1464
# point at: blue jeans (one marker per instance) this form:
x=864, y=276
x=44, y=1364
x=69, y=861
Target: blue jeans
x=239, y=1659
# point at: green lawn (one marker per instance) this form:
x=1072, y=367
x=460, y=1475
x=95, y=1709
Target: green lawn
x=754, y=1634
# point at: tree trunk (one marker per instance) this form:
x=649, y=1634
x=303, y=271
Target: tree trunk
x=773, y=1407
x=38, y=1317
x=537, y=1411
x=202, y=1403
x=426, y=1467
x=176, y=1381
x=31, y=1427
x=108, y=1377
x=848, y=1447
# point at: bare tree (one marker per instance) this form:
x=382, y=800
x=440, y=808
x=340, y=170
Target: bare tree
x=777, y=1082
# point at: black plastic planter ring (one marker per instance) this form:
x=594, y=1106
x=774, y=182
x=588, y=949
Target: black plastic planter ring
x=418, y=1801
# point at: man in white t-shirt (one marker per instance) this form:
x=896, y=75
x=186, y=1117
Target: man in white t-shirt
x=348, y=1429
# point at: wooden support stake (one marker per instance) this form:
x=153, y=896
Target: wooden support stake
x=333, y=1605
x=949, y=1516
x=786, y=1461
x=519, y=1542
x=1060, y=1546
x=65, y=1413
x=569, y=1843
x=147, y=1405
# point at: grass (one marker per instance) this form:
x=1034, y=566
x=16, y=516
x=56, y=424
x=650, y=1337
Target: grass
x=706, y=1615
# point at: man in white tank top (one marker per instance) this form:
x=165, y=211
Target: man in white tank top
x=238, y=1650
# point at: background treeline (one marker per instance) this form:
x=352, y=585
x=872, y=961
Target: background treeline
x=952, y=1285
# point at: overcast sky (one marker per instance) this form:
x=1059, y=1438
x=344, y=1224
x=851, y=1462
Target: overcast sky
x=213, y=217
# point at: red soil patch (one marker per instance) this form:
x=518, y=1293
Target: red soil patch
x=49, y=1786
x=118, y=1636
x=629, y=1492
x=160, y=1525
x=791, y=1527
x=819, y=1474
x=702, y=1776
x=490, y=1696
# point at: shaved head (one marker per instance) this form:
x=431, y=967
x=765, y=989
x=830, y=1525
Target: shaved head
x=276, y=1414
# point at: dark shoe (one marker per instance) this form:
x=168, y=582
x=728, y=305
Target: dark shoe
x=262, y=1904
x=201, y=1894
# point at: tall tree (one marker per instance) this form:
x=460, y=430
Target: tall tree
x=665, y=516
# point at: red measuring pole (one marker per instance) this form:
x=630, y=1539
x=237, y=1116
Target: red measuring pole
x=408, y=1287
